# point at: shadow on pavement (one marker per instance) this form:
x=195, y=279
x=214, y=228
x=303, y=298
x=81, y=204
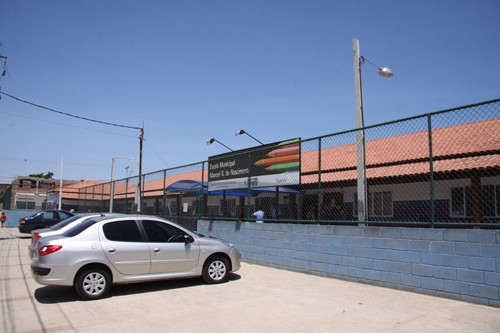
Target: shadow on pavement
x=23, y=237
x=64, y=294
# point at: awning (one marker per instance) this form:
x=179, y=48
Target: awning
x=196, y=187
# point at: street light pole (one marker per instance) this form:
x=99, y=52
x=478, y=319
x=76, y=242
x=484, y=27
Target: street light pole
x=360, y=134
x=362, y=185
x=112, y=184
x=126, y=187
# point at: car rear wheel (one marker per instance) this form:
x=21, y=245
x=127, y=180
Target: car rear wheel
x=216, y=270
x=93, y=283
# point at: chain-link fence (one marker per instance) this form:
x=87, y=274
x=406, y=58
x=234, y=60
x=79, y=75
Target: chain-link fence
x=441, y=168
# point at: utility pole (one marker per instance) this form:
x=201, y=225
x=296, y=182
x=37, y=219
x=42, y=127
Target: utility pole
x=112, y=184
x=138, y=190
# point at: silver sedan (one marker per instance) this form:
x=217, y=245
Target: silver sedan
x=100, y=251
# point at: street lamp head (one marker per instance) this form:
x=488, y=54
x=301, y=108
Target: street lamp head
x=385, y=72
x=212, y=140
x=382, y=71
x=242, y=131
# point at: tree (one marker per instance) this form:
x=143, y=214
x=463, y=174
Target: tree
x=2, y=193
x=48, y=175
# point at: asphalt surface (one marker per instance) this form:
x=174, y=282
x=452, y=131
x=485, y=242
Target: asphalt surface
x=256, y=299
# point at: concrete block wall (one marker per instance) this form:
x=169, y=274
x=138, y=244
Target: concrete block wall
x=13, y=216
x=461, y=264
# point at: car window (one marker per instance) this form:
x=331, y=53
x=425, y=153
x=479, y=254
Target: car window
x=159, y=232
x=65, y=222
x=48, y=215
x=122, y=231
x=63, y=215
x=79, y=228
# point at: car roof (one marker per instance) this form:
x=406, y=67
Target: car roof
x=99, y=214
x=110, y=217
x=107, y=216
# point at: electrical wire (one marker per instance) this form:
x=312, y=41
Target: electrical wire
x=68, y=114
x=156, y=153
x=65, y=124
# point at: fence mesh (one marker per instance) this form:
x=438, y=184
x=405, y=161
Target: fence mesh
x=441, y=168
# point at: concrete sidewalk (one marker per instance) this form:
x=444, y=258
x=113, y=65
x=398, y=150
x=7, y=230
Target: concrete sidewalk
x=257, y=299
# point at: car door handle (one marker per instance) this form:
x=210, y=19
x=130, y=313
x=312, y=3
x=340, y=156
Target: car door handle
x=156, y=249
x=111, y=250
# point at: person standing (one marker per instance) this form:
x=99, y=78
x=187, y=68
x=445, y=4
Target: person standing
x=259, y=215
x=3, y=219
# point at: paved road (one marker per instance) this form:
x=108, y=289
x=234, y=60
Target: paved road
x=256, y=299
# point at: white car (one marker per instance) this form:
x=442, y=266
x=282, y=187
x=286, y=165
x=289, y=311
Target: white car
x=100, y=251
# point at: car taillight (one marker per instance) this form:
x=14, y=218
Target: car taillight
x=48, y=249
x=21, y=221
x=36, y=236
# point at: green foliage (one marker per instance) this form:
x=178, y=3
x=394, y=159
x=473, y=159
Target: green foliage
x=47, y=175
x=2, y=193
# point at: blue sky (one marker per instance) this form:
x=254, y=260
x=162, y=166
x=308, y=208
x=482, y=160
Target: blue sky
x=192, y=70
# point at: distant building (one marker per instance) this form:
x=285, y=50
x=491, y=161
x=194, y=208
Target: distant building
x=32, y=193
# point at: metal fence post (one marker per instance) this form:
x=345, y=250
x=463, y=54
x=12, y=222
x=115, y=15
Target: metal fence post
x=320, y=197
x=164, y=203
x=249, y=212
x=202, y=192
x=431, y=170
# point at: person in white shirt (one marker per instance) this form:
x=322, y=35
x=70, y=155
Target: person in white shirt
x=259, y=215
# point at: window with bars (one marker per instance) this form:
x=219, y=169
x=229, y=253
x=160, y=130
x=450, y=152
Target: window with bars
x=25, y=204
x=230, y=205
x=461, y=201
x=379, y=204
x=173, y=207
x=195, y=207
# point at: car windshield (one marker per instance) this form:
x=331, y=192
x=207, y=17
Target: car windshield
x=64, y=223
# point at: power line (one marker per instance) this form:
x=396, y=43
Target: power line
x=65, y=124
x=141, y=138
x=154, y=151
x=68, y=114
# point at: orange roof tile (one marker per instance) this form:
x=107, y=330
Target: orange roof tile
x=406, y=154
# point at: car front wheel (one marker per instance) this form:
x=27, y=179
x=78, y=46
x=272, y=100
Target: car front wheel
x=93, y=283
x=216, y=270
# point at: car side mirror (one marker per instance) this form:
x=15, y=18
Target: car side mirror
x=188, y=239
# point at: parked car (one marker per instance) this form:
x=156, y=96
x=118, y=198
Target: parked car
x=101, y=251
x=42, y=219
x=60, y=228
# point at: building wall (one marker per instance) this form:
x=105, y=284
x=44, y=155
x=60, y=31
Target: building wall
x=29, y=193
x=454, y=263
